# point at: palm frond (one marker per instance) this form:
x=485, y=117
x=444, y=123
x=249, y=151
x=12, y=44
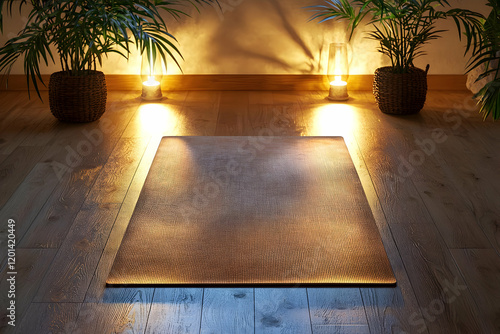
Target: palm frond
x=486, y=56
x=84, y=32
x=402, y=27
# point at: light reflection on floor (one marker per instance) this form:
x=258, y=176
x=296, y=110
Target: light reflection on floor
x=333, y=119
x=158, y=119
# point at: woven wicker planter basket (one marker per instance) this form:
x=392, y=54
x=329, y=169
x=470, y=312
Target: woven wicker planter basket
x=77, y=99
x=400, y=93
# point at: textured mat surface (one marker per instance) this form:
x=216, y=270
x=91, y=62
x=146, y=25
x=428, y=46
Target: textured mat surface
x=252, y=210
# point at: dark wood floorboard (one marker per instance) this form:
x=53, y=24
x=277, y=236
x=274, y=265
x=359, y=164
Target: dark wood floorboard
x=431, y=181
x=31, y=264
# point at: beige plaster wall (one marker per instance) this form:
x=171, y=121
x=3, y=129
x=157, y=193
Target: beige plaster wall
x=272, y=37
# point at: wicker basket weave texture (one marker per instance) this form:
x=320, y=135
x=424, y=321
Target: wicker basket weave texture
x=400, y=93
x=77, y=99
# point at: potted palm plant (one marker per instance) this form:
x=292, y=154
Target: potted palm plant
x=486, y=60
x=402, y=28
x=82, y=33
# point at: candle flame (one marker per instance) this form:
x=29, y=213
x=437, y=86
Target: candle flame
x=151, y=81
x=338, y=81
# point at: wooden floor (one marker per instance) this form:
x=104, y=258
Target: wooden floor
x=432, y=181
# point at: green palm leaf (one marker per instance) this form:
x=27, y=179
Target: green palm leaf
x=83, y=32
x=402, y=27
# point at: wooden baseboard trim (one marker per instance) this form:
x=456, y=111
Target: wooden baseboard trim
x=244, y=82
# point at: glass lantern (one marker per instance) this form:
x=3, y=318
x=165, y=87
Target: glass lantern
x=338, y=72
x=151, y=76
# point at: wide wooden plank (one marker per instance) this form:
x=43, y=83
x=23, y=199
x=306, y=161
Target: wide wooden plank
x=443, y=134
x=44, y=132
x=282, y=310
x=14, y=170
x=31, y=264
x=11, y=100
x=114, y=179
x=50, y=318
x=473, y=181
x=274, y=114
x=336, y=306
x=198, y=115
x=25, y=123
x=232, y=109
x=481, y=270
x=333, y=329
x=97, y=289
x=124, y=311
x=56, y=217
x=78, y=155
x=465, y=164
x=12, y=104
x=175, y=311
x=428, y=261
x=26, y=202
x=21, y=116
x=387, y=309
x=69, y=275
x=91, y=143
x=419, y=158
x=467, y=135
x=227, y=310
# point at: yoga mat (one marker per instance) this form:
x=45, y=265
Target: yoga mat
x=252, y=210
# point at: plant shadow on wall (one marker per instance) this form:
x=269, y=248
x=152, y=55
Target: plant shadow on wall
x=260, y=36
x=402, y=28
x=83, y=32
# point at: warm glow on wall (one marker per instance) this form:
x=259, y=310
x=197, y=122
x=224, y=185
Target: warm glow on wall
x=333, y=120
x=157, y=119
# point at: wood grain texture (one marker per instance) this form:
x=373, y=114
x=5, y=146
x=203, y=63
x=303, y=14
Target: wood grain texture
x=97, y=289
x=387, y=309
x=175, y=311
x=431, y=269
x=13, y=106
x=419, y=160
x=54, y=318
x=198, y=115
x=14, y=170
x=44, y=132
x=233, y=107
x=339, y=307
x=77, y=155
x=26, y=122
x=285, y=82
x=227, y=311
x=31, y=264
x=69, y=275
x=282, y=310
x=466, y=164
x=468, y=136
x=481, y=270
x=25, y=204
x=115, y=177
x=56, y=217
x=333, y=329
x=124, y=311
x=474, y=183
